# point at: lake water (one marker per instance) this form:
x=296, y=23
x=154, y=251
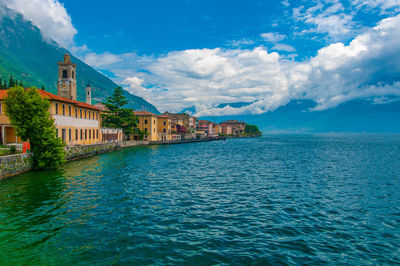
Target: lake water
x=287, y=199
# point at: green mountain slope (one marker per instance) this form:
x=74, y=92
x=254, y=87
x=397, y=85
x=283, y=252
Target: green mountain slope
x=29, y=58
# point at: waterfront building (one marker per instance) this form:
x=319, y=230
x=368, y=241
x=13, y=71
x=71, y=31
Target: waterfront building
x=237, y=126
x=186, y=121
x=226, y=129
x=153, y=127
x=164, y=128
x=206, y=127
x=111, y=134
x=76, y=122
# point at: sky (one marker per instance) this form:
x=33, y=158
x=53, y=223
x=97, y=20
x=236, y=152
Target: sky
x=182, y=53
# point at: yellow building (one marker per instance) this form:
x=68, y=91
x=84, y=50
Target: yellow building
x=164, y=128
x=76, y=122
x=154, y=127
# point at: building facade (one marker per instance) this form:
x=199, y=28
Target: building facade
x=153, y=127
x=237, y=126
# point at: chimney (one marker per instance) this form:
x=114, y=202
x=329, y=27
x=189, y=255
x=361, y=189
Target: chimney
x=88, y=94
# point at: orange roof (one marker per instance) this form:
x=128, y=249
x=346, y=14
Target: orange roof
x=3, y=94
x=163, y=116
x=51, y=96
x=142, y=113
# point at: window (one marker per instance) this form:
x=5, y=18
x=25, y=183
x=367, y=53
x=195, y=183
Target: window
x=73, y=75
x=165, y=123
x=164, y=130
x=154, y=122
x=85, y=133
x=90, y=134
x=76, y=134
x=80, y=112
x=69, y=134
x=145, y=130
x=69, y=110
x=56, y=107
x=93, y=115
x=63, y=109
x=154, y=130
x=65, y=74
x=94, y=134
x=97, y=133
x=96, y=116
x=76, y=112
x=89, y=114
x=0, y=107
x=145, y=122
x=81, y=134
x=85, y=114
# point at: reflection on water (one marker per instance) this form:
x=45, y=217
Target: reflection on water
x=278, y=199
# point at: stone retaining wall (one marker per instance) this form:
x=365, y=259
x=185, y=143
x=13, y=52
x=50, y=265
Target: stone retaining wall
x=14, y=164
x=74, y=152
x=18, y=163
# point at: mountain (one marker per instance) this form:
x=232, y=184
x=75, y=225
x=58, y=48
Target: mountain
x=29, y=58
x=234, y=105
x=189, y=110
x=358, y=116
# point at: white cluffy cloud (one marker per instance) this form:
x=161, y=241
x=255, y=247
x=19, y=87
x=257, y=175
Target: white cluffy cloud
x=49, y=16
x=368, y=66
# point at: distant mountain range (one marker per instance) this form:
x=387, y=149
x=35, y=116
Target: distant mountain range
x=364, y=115
x=29, y=58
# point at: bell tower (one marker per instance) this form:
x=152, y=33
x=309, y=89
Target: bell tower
x=66, y=84
x=88, y=94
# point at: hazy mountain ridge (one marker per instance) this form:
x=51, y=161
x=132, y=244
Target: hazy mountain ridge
x=29, y=58
x=358, y=116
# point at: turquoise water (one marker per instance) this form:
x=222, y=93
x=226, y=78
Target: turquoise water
x=287, y=199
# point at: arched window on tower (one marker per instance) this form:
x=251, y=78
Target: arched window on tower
x=73, y=74
x=65, y=74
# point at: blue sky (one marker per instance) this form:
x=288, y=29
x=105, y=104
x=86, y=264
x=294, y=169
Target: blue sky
x=181, y=53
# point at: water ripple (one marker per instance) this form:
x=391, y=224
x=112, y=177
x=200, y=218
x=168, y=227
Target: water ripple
x=284, y=199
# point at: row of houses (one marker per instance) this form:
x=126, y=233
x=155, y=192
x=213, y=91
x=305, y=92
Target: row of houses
x=79, y=123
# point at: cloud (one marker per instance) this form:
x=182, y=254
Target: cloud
x=326, y=17
x=100, y=60
x=49, y=16
x=273, y=37
x=367, y=67
x=283, y=47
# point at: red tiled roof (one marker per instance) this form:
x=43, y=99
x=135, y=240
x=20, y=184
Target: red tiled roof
x=140, y=113
x=205, y=121
x=3, y=94
x=163, y=116
x=51, y=96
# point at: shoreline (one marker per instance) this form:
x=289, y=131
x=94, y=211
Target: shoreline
x=12, y=165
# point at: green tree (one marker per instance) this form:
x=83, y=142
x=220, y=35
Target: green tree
x=116, y=116
x=11, y=83
x=29, y=115
x=251, y=129
x=1, y=84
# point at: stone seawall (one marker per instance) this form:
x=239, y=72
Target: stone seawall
x=75, y=152
x=19, y=163
x=15, y=164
